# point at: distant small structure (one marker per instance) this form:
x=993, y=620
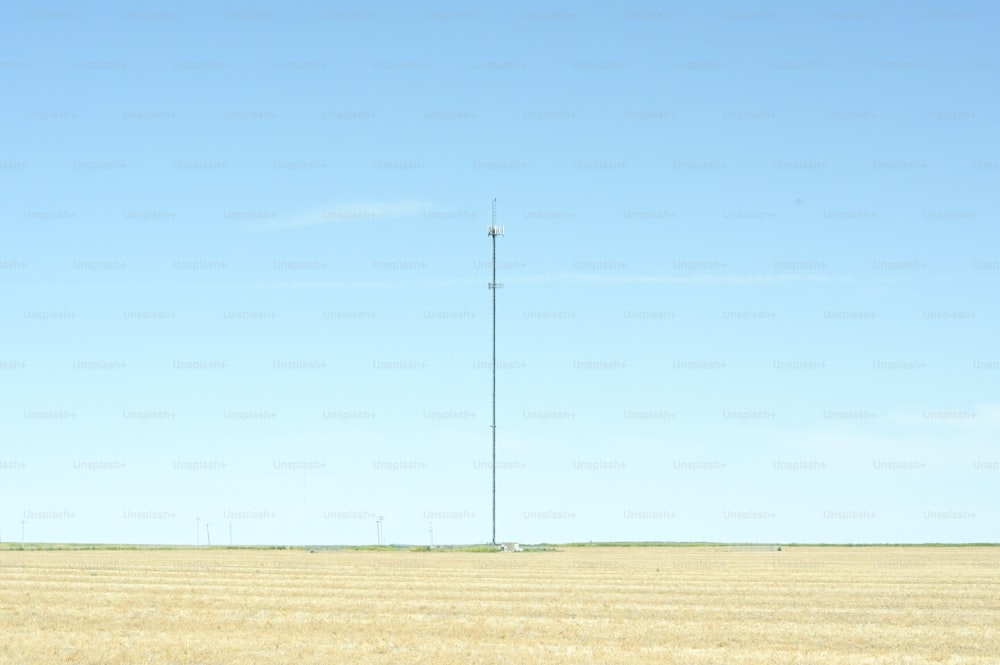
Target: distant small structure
x=510, y=547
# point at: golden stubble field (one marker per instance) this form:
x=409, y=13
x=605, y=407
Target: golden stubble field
x=687, y=605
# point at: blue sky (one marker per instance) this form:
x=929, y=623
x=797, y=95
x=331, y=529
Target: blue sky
x=749, y=271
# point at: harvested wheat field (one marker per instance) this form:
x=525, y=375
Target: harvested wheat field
x=687, y=605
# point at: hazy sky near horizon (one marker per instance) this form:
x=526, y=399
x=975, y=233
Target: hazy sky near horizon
x=749, y=272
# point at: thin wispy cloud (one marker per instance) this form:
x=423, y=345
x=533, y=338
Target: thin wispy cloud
x=563, y=278
x=345, y=213
x=724, y=280
x=348, y=284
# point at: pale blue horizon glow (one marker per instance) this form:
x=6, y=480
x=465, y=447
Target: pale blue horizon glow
x=750, y=272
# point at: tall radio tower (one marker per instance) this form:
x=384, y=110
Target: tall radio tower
x=493, y=231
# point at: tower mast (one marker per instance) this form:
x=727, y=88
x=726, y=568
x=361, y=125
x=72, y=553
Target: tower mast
x=493, y=230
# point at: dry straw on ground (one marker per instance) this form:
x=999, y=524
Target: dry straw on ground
x=581, y=605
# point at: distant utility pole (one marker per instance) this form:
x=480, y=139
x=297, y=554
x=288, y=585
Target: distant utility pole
x=208, y=535
x=431, y=527
x=493, y=231
x=378, y=529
